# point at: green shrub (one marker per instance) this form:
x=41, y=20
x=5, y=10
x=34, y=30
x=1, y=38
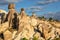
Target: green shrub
x=24, y=39
x=35, y=38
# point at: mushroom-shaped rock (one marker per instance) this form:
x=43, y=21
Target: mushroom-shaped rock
x=11, y=6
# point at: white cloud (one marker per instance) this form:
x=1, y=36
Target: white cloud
x=54, y=15
x=47, y=2
x=5, y=2
x=13, y=0
x=35, y=8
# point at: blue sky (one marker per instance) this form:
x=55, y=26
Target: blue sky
x=38, y=6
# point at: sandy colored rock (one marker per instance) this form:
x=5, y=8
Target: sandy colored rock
x=33, y=21
x=7, y=35
x=12, y=15
x=13, y=34
x=23, y=20
x=27, y=32
x=28, y=26
x=4, y=27
x=11, y=6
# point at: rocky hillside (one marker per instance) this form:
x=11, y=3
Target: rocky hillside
x=23, y=27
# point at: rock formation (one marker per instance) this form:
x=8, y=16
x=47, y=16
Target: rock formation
x=2, y=16
x=7, y=35
x=22, y=26
x=12, y=15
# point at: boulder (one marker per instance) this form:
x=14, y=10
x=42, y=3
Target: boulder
x=7, y=35
x=4, y=27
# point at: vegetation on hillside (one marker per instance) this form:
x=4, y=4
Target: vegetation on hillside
x=35, y=38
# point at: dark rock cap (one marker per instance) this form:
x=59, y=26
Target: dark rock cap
x=11, y=6
x=22, y=9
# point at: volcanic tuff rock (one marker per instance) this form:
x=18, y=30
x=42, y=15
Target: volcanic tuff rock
x=7, y=35
x=28, y=27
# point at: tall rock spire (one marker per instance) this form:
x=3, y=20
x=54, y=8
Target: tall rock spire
x=11, y=14
x=22, y=12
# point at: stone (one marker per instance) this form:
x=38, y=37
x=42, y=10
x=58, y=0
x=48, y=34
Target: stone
x=12, y=16
x=14, y=34
x=4, y=27
x=1, y=39
x=28, y=26
x=11, y=6
x=22, y=13
x=7, y=35
x=23, y=20
x=33, y=21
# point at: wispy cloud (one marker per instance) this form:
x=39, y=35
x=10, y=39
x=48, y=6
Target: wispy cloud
x=5, y=2
x=54, y=15
x=13, y=0
x=35, y=9
x=46, y=2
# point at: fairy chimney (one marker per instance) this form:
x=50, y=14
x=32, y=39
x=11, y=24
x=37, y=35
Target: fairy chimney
x=22, y=12
x=23, y=19
x=12, y=14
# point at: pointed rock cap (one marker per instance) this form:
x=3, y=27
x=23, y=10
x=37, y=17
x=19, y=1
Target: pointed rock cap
x=22, y=12
x=11, y=6
x=22, y=9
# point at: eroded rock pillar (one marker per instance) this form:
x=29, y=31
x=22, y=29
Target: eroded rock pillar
x=12, y=15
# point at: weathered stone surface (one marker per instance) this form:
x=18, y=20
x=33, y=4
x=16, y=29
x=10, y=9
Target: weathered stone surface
x=28, y=26
x=12, y=16
x=23, y=20
x=25, y=29
x=14, y=34
x=11, y=6
x=4, y=27
x=1, y=39
x=27, y=33
x=33, y=21
x=7, y=35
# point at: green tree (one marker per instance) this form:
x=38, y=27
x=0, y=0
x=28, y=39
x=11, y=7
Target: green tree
x=39, y=17
x=42, y=17
x=50, y=19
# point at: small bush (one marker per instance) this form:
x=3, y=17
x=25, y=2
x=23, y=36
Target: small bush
x=50, y=19
x=35, y=38
x=24, y=39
